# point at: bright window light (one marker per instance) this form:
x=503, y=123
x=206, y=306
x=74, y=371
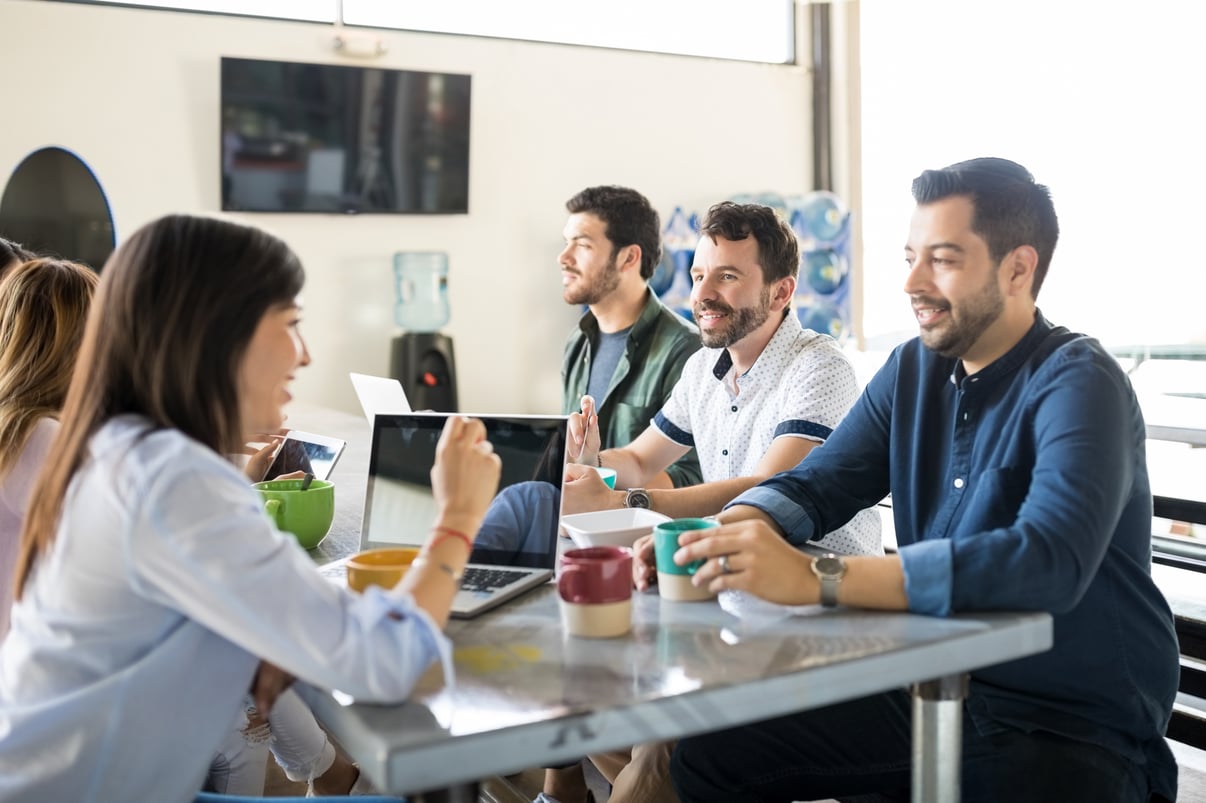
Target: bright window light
x=749, y=30
x=308, y=10
x=752, y=30
x=1100, y=101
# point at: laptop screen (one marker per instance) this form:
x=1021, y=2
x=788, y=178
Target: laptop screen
x=520, y=528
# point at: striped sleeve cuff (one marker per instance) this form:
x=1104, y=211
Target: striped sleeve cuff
x=667, y=428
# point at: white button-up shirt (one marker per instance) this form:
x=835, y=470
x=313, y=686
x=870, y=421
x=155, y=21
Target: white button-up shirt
x=800, y=386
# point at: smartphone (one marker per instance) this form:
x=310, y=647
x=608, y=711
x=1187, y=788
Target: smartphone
x=305, y=451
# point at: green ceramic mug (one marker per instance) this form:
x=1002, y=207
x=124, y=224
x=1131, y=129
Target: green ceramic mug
x=674, y=581
x=306, y=514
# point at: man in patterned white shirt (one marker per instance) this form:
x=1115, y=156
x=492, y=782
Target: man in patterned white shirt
x=754, y=401
x=760, y=395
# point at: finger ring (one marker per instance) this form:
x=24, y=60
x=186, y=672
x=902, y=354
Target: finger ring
x=724, y=565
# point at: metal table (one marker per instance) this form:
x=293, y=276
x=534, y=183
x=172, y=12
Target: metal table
x=527, y=695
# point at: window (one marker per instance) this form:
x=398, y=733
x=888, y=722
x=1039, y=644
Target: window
x=309, y=10
x=1100, y=101
x=752, y=30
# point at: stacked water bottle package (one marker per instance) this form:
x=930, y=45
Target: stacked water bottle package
x=821, y=222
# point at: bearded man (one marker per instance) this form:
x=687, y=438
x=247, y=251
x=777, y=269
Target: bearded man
x=628, y=349
x=761, y=394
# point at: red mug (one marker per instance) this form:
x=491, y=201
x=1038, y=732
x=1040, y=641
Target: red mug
x=596, y=575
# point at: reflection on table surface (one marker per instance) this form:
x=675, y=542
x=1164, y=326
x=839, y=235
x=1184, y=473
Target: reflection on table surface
x=528, y=695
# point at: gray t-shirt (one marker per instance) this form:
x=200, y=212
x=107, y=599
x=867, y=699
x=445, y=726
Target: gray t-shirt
x=603, y=367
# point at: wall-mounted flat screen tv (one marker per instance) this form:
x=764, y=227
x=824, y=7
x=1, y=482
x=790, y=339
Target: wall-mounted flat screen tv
x=329, y=138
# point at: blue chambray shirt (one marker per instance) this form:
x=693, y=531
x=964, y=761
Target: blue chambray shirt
x=1022, y=487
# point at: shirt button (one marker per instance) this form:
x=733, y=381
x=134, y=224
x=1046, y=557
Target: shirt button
x=965, y=416
x=725, y=452
x=734, y=408
x=958, y=482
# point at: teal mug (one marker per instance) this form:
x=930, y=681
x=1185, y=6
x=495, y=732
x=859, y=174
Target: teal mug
x=674, y=581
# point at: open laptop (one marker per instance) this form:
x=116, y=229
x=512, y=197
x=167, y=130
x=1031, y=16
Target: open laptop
x=516, y=547
x=379, y=394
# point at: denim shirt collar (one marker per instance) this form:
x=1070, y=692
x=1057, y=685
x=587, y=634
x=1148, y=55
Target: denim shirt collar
x=1007, y=363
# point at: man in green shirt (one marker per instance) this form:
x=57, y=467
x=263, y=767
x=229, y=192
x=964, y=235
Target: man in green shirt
x=628, y=348
x=626, y=353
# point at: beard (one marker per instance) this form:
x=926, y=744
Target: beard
x=740, y=322
x=596, y=289
x=966, y=322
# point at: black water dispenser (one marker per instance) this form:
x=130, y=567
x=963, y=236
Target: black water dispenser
x=422, y=358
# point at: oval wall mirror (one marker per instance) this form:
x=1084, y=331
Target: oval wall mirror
x=54, y=205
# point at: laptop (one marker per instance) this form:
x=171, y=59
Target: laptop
x=516, y=547
x=379, y=394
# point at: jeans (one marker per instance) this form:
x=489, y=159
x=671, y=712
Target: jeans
x=865, y=747
x=298, y=744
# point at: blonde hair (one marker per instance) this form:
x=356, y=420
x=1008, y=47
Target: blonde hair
x=43, y=306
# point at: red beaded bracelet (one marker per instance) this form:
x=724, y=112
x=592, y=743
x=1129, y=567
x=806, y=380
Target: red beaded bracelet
x=448, y=532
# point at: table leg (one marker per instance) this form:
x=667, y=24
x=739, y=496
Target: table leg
x=938, y=738
x=461, y=793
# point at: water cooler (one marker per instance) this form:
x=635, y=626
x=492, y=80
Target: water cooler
x=420, y=357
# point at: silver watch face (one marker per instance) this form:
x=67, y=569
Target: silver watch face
x=637, y=497
x=829, y=566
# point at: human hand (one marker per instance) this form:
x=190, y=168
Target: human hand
x=465, y=476
x=584, y=491
x=584, y=438
x=644, y=563
x=268, y=684
x=758, y=561
x=260, y=457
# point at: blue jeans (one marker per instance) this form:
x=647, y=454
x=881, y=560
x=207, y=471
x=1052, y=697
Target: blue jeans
x=865, y=747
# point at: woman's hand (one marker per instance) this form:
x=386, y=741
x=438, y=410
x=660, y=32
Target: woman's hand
x=260, y=457
x=584, y=439
x=269, y=681
x=464, y=478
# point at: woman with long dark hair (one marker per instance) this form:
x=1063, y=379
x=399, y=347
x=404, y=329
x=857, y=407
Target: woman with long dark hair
x=152, y=591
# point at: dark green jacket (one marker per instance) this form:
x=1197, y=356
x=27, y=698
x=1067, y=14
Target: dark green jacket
x=659, y=343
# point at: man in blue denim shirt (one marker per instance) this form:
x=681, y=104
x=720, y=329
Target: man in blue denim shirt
x=1014, y=453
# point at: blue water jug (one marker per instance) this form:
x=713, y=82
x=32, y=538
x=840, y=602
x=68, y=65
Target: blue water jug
x=678, y=243
x=421, y=287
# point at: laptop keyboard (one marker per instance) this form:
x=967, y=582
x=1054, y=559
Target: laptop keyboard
x=482, y=579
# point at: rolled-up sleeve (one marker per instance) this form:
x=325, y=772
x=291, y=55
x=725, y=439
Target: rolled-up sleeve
x=927, y=576
x=791, y=517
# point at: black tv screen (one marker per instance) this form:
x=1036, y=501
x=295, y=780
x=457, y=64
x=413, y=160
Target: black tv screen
x=329, y=138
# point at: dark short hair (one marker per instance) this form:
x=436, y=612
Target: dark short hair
x=778, y=250
x=628, y=218
x=1010, y=208
x=13, y=254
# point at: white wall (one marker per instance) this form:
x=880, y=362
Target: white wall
x=135, y=94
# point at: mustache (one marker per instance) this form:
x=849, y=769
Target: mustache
x=712, y=306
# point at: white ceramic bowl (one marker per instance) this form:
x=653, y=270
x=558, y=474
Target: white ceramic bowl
x=611, y=527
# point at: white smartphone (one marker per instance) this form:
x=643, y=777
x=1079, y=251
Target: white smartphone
x=305, y=451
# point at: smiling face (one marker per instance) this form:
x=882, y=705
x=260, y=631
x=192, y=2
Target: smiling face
x=272, y=358
x=589, y=271
x=728, y=297
x=953, y=282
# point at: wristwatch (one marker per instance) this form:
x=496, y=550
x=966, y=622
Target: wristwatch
x=829, y=569
x=637, y=497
